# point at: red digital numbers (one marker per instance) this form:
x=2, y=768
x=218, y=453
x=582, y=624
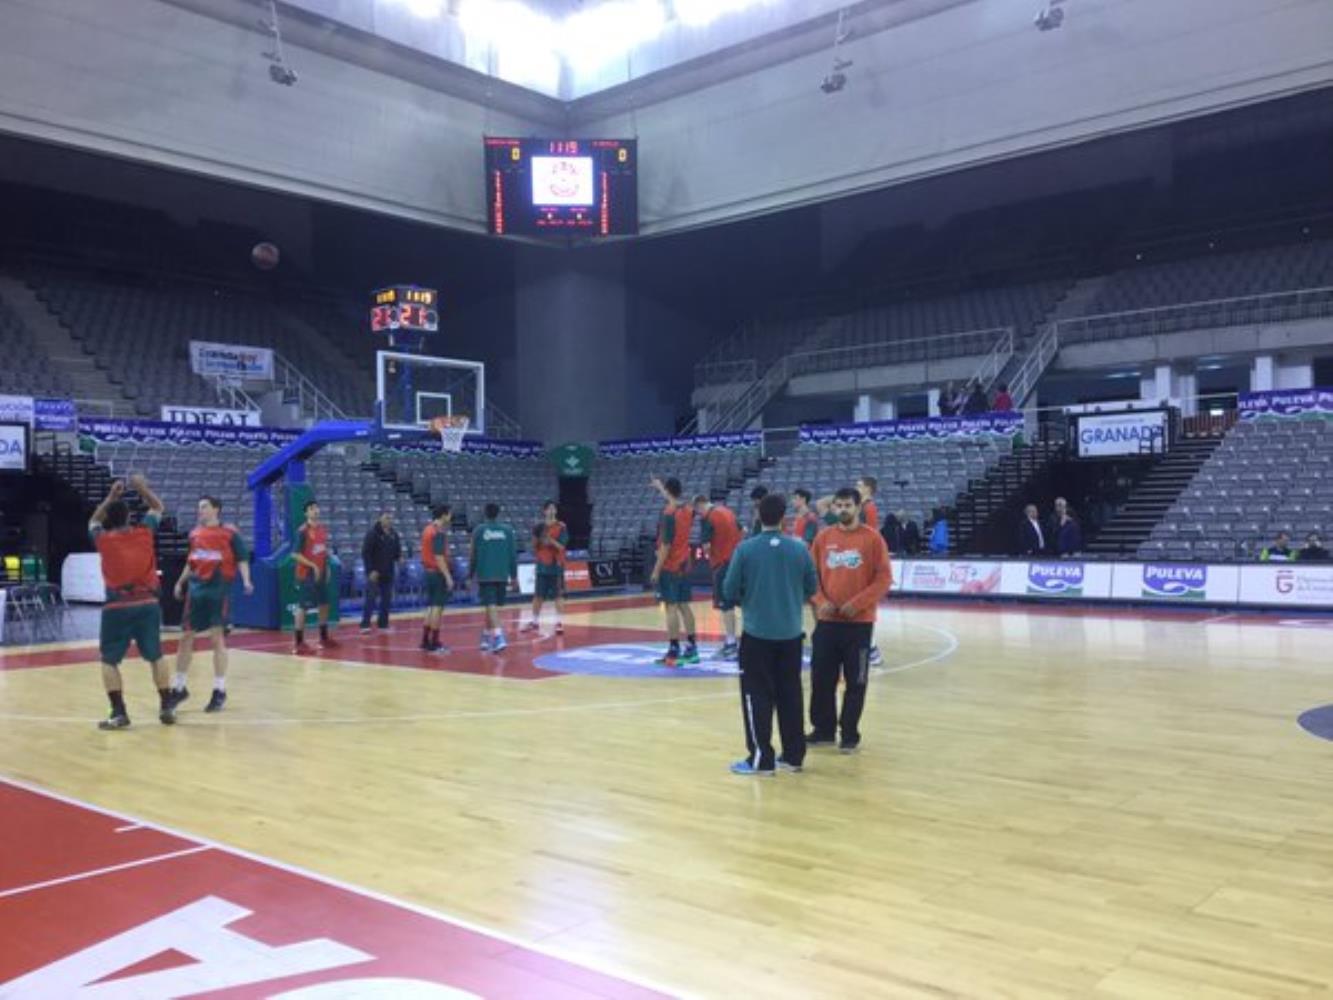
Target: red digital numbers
x=565, y=147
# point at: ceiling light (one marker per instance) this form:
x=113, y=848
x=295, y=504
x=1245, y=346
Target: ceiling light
x=423, y=8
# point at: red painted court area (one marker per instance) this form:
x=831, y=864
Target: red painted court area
x=91, y=899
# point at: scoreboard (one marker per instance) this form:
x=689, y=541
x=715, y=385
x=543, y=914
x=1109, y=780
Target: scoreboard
x=562, y=187
x=405, y=307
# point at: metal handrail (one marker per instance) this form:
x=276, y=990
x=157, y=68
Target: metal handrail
x=1248, y=300
x=289, y=378
x=857, y=355
x=1039, y=356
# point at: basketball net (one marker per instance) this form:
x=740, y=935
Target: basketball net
x=452, y=430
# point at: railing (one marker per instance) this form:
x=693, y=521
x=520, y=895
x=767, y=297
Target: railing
x=95, y=407
x=725, y=372
x=311, y=400
x=993, y=366
x=1039, y=356
x=500, y=424
x=232, y=396
x=1270, y=307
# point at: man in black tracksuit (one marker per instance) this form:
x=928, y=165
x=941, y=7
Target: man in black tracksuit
x=380, y=552
x=771, y=577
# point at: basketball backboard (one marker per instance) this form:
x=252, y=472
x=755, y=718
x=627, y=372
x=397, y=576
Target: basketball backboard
x=414, y=389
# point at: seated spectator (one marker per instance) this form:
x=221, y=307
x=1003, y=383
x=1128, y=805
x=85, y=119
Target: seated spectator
x=1003, y=401
x=893, y=532
x=976, y=400
x=1279, y=551
x=939, y=535
x=1314, y=551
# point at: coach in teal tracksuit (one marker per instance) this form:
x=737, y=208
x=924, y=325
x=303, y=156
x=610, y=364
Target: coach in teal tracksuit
x=771, y=577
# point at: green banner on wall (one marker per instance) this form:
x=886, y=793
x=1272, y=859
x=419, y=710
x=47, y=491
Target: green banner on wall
x=573, y=461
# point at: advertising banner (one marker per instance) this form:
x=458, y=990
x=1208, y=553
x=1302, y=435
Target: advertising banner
x=1287, y=404
x=578, y=575
x=1183, y=583
x=231, y=360
x=605, y=573
x=1108, y=435
x=924, y=429
x=1288, y=584
x=944, y=576
x=1057, y=579
x=160, y=432
x=665, y=445
x=54, y=415
x=16, y=410
x=13, y=447
x=210, y=416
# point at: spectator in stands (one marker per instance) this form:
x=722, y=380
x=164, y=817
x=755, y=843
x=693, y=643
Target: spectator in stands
x=948, y=400
x=893, y=532
x=976, y=400
x=911, y=534
x=1279, y=551
x=757, y=494
x=1314, y=551
x=1004, y=402
x=1066, y=536
x=939, y=534
x=1031, y=539
x=380, y=552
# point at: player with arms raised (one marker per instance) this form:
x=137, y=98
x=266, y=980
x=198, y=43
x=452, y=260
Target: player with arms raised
x=131, y=612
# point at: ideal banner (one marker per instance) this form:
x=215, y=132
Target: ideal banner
x=1183, y=583
x=1134, y=432
x=926, y=429
x=663, y=445
x=1288, y=584
x=210, y=416
x=1287, y=404
x=232, y=360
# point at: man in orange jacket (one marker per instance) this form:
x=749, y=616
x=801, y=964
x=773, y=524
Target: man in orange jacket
x=852, y=562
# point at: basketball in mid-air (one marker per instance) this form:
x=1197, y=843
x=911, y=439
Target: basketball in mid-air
x=265, y=256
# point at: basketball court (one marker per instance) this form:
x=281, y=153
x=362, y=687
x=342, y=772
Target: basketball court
x=1049, y=802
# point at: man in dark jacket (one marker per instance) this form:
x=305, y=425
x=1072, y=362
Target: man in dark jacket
x=893, y=531
x=380, y=552
x=1065, y=537
x=1031, y=539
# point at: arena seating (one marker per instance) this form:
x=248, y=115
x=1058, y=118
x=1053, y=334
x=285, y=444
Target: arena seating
x=626, y=508
x=26, y=370
x=1263, y=478
x=140, y=336
x=469, y=481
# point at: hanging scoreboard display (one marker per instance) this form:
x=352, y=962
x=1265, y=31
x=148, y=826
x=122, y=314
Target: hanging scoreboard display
x=407, y=308
x=562, y=187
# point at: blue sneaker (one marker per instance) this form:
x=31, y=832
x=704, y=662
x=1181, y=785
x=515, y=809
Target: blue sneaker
x=744, y=767
x=499, y=643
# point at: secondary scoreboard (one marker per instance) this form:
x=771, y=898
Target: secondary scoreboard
x=554, y=187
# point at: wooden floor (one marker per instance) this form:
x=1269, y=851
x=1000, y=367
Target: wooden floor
x=1049, y=802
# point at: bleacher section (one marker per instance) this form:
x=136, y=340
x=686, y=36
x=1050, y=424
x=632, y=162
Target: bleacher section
x=26, y=369
x=469, y=481
x=139, y=335
x=626, y=508
x=1196, y=288
x=1263, y=478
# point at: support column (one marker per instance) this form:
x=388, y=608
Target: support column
x=862, y=410
x=1263, y=373
x=932, y=403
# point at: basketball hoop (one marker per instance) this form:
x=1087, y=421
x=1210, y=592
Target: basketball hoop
x=452, y=430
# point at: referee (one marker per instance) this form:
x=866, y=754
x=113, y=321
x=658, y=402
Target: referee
x=771, y=577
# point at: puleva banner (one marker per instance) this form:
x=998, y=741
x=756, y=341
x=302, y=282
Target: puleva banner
x=1287, y=404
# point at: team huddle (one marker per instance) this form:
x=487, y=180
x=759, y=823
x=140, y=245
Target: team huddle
x=788, y=563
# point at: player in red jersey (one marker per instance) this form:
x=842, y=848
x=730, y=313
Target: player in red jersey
x=550, y=539
x=866, y=488
x=311, y=553
x=439, y=578
x=720, y=532
x=805, y=523
x=131, y=612
x=217, y=554
x=671, y=572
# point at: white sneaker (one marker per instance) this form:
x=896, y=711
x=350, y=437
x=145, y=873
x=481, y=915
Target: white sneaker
x=876, y=658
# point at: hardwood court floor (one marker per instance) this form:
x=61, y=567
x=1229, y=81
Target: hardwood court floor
x=1049, y=802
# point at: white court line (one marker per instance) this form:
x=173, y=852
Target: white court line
x=82, y=876
x=127, y=829
x=206, y=844
x=1218, y=618
x=952, y=648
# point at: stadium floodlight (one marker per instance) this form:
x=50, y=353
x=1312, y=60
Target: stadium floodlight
x=598, y=35
x=278, y=71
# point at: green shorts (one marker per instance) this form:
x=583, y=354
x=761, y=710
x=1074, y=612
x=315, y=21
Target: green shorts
x=207, y=608
x=311, y=593
x=140, y=623
x=551, y=586
x=437, y=590
x=674, y=588
x=492, y=595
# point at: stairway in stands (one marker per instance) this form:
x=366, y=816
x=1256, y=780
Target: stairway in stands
x=983, y=520
x=1152, y=498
